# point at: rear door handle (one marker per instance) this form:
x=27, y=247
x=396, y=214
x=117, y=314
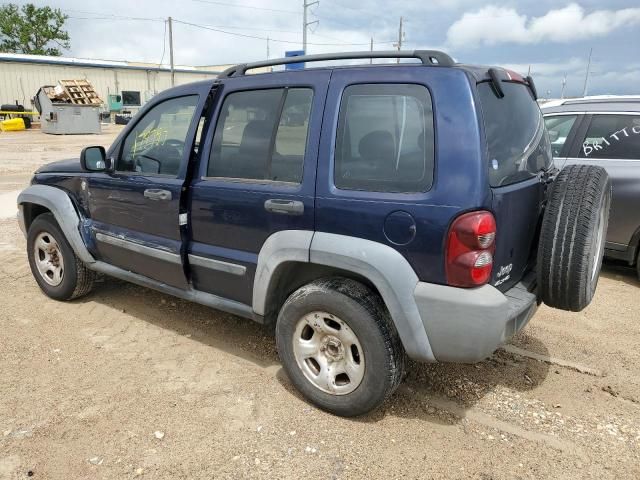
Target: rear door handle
x=284, y=207
x=157, y=194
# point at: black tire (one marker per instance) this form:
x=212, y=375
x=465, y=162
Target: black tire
x=77, y=279
x=365, y=314
x=638, y=265
x=572, y=237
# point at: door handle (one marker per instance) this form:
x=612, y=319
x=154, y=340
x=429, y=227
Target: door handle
x=157, y=194
x=285, y=207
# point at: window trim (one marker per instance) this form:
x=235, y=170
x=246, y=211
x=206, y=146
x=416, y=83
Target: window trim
x=382, y=193
x=254, y=181
x=251, y=181
x=129, y=131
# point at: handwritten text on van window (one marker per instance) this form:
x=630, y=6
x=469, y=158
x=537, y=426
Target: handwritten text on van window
x=597, y=144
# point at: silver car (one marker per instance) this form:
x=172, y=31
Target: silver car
x=604, y=131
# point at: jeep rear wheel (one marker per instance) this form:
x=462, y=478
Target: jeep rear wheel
x=339, y=346
x=59, y=273
x=572, y=237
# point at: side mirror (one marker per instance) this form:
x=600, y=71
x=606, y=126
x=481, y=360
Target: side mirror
x=554, y=135
x=93, y=159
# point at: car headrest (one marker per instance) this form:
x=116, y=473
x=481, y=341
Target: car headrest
x=256, y=137
x=378, y=144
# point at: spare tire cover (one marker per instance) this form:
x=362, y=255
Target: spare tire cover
x=572, y=237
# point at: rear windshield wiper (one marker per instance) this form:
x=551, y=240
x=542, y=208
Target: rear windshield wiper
x=495, y=74
x=495, y=82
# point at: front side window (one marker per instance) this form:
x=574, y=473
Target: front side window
x=518, y=145
x=262, y=135
x=613, y=137
x=157, y=142
x=559, y=127
x=385, y=139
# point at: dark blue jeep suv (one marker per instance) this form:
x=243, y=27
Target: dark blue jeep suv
x=367, y=212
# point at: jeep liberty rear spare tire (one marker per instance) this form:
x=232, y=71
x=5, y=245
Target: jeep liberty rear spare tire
x=572, y=237
x=339, y=346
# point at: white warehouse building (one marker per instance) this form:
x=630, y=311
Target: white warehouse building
x=22, y=75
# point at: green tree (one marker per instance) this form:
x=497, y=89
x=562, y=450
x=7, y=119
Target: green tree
x=33, y=30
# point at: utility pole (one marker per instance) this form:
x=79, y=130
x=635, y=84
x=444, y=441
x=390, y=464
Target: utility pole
x=173, y=76
x=586, y=77
x=267, y=48
x=564, y=84
x=371, y=59
x=400, y=37
x=305, y=23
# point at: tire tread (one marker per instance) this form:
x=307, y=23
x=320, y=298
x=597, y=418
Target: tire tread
x=567, y=236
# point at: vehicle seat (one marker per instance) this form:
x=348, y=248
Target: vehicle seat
x=377, y=151
x=251, y=161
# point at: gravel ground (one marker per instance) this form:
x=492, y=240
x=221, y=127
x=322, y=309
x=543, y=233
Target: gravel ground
x=130, y=383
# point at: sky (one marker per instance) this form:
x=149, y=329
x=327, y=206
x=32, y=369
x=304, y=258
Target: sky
x=550, y=38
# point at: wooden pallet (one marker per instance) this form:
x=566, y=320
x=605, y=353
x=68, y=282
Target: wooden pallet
x=80, y=92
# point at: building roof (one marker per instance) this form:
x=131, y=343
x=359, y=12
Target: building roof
x=97, y=63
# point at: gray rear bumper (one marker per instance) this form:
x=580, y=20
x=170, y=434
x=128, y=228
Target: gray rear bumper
x=467, y=325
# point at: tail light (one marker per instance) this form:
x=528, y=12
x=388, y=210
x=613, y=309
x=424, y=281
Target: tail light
x=470, y=247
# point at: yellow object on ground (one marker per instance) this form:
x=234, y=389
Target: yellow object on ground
x=12, y=125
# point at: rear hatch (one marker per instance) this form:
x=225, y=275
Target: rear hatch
x=519, y=159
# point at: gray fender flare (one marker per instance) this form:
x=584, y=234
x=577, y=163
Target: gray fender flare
x=382, y=265
x=59, y=203
x=281, y=247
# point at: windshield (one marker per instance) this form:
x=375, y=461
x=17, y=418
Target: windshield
x=517, y=142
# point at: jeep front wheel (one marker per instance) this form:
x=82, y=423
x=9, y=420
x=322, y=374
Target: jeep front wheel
x=59, y=273
x=339, y=346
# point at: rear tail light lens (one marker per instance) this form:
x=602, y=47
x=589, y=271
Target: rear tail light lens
x=470, y=247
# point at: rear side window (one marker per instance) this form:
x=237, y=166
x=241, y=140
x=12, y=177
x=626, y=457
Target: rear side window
x=262, y=135
x=613, y=137
x=517, y=142
x=385, y=139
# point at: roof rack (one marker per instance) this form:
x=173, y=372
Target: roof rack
x=427, y=57
x=603, y=99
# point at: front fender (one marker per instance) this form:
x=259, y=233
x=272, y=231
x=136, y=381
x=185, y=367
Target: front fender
x=60, y=205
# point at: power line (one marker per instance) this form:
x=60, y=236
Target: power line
x=164, y=43
x=237, y=5
x=110, y=16
x=69, y=17
x=244, y=35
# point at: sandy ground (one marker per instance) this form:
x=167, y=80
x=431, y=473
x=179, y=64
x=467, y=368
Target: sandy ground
x=127, y=382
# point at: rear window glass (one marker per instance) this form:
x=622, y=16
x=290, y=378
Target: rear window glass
x=385, y=139
x=517, y=141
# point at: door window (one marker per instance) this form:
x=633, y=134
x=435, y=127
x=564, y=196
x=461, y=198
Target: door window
x=613, y=137
x=559, y=127
x=157, y=142
x=385, y=139
x=262, y=135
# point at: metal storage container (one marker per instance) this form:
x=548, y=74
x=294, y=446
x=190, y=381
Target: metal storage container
x=72, y=107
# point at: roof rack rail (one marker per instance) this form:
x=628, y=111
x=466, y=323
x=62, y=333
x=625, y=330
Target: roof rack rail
x=427, y=57
x=603, y=99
